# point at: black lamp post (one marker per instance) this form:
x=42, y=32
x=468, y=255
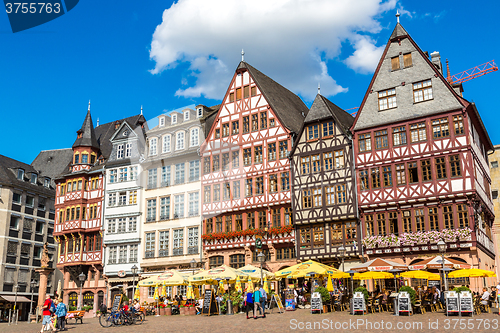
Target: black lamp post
x=351, y=273
x=32, y=285
x=442, y=249
x=134, y=272
x=81, y=278
x=261, y=258
x=342, y=254
x=395, y=272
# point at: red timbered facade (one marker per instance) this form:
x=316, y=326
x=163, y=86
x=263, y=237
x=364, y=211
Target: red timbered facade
x=421, y=162
x=246, y=172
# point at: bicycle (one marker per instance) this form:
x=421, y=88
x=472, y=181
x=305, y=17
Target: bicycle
x=110, y=319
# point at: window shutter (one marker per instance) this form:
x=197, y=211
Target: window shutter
x=407, y=60
x=395, y=63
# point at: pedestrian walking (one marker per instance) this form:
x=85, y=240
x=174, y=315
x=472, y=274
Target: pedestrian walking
x=61, y=311
x=249, y=303
x=46, y=313
x=263, y=299
x=256, y=302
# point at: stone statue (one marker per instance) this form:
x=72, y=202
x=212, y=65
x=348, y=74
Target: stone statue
x=45, y=255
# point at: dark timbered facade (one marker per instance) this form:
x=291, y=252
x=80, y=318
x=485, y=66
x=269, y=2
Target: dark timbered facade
x=422, y=162
x=246, y=172
x=323, y=191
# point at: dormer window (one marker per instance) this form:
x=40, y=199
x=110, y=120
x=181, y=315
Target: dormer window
x=77, y=158
x=34, y=178
x=20, y=174
x=85, y=158
x=186, y=115
x=92, y=159
x=174, y=119
x=46, y=182
x=199, y=113
x=117, y=124
x=79, y=134
x=162, y=121
x=119, y=151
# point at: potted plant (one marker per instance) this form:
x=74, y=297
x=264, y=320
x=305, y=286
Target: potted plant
x=236, y=299
x=182, y=310
x=162, y=309
x=168, y=310
x=325, y=297
x=364, y=291
x=411, y=292
x=192, y=310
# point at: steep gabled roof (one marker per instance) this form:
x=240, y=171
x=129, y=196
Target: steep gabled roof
x=8, y=175
x=398, y=31
x=51, y=163
x=289, y=108
x=86, y=134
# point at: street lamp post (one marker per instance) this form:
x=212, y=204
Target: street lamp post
x=32, y=285
x=351, y=273
x=261, y=258
x=395, y=271
x=16, y=287
x=134, y=272
x=442, y=249
x=342, y=254
x=193, y=264
x=81, y=278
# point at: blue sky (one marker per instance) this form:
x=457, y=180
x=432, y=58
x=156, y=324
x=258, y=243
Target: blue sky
x=111, y=55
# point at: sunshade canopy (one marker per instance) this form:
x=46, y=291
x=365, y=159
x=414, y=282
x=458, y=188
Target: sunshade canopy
x=373, y=275
x=473, y=272
x=437, y=263
x=309, y=267
x=254, y=272
x=420, y=275
x=218, y=273
x=379, y=265
x=168, y=278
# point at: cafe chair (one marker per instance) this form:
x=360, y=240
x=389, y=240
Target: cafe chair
x=369, y=305
x=418, y=307
x=376, y=305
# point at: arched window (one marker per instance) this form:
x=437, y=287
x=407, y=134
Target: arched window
x=88, y=298
x=73, y=299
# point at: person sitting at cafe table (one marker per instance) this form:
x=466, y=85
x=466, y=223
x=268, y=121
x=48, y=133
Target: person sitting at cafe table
x=485, y=297
x=199, y=306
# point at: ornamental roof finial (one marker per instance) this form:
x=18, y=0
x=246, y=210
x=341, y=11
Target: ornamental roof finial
x=242, y=55
x=397, y=15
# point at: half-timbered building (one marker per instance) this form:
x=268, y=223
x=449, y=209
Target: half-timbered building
x=422, y=162
x=323, y=189
x=79, y=211
x=246, y=172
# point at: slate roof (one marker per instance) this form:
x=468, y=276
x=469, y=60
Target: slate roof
x=51, y=163
x=398, y=31
x=88, y=138
x=289, y=108
x=8, y=175
x=323, y=108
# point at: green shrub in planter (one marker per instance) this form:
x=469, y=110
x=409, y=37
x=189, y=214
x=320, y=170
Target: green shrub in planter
x=364, y=291
x=462, y=288
x=411, y=292
x=325, y=295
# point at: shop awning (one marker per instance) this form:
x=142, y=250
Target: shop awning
x=127, y=279
x=10, y=298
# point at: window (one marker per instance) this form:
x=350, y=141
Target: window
x=229, y=223
x=363, y=179
x=251, y=220
x=262, y=219
x=225, y=130
x=152, y=178
x=494, y=194
x=313, y=132
x=440, y=128
x=387, y=99
x=422, y=91
x=179, y=142
x=328, y=160
x=113, y=178
x=133, y=253
x=216, y=261
x=400, y=174
x=330, y=195
x=393, y=223
x=235, y=127
x=133, y=175
x=30, y=201
x=194, y=171
x=316, y=163
x=433, y=219
x=381, y=141
x=122, y=175
x=119, y=152
x=285, y=181
x=77, y=160
x=186, y=115
x=179, y=206
x=254, y=91
x=152, y=146
x=46, y=182
x=179, y=173
x=238, y=94
x=350, y=232
x=112, y=199
x=259, y=185
x=150, y=245
x=370, y=231
x=283, y=149
x=365, y=142
x=305, y=238
x=328, y=129
x=151, y=211
x=248, y=187
x=193, y=240
x=165, y=176
x=132, y=224
x=426, y=170
x=399, y=135
x=440, y=167
x=455, y=166
x=273, y=183
x=407, y=60
x=206, y=194
x=236, y=189
x=340, y=193
x=419, y=219
x=395, y=63
x=462, y=216
x=206, y=165
x=92, y=158
x=166, y=144
x=458, y=124
x=448, y=217
x=128, y=150
x=238, y=222
x=387, y=176
x=336, y=231
x=174, y=119
x=217, y=133
x=306, y=165
x=237, y=260
x=407, y=221
x=112, y=254
x=226, y=191
x=276, y=217
x=122, y=198
x=307, y=198
x=151, y=292
x=199, y=113
x=16, y=198
x=263, y=120
x=209, y=225
x=271, y=152
x=14, y=222
x=318, y=236
x=381, y=224
x=231, y=97
x=34, y=178
x=164, y=208
x=247, y=156
x=339, y=159
x=412, y=172
x=216, y=192
x=288, y=216
x=122, y=254
x=418, y=132
x=246, y=124
x=225, y=161
x=317, y=197
x=236, y=159
x=258, y=154
x=375, y=174
x=255, y=122
x=162, y=121
x=218, y=224
x=178, y=242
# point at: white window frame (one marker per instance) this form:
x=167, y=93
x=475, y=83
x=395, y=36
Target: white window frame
x=179, y=140
x=178, y=242
x=132, y=224
x=123, y=174
x=167, y=143
x=163, y=246
x=195, y=137
x=193, y=240
x=151, y=209
x=134, y=249
x=194, y=170
x=119, y=151
x=153, y=143
x=194, y=204
x=186, y=115
x=199, y=113
x=112, y=255
x=162, y=121
x=128, y=150
x=111, y=226
x=174, y=118
x=179, y=206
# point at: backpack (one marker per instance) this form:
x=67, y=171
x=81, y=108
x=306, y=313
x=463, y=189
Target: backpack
x=52, y=307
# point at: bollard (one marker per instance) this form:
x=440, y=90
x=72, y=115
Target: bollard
x=229, y=307
x=10, y=313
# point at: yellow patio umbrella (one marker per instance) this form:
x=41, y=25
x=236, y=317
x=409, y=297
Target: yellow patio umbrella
x=309, y=267
x=237, y=286
x=371, y=275
x=250, y=287
x=164, y=291
x=254, y=272
x=218, y=273
x=340, y=275
x=329, y=285
x=266, y=285
x=190, y=293
x=420, y=275
x=473, y=272
x=137, y=294
x=155, y=296
x=220, y=290
x=168, y=278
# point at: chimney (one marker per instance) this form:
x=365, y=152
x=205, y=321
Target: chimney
x=436, y=60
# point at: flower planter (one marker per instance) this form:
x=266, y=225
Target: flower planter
x=192, y=311
x=168, y=311
x=325, y=308
x=162, y=311
x=182, y=311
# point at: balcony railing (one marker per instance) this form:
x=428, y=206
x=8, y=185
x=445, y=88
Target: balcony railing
x=164, y=217
x=165, y=184
x=163, y=253
x=179, y=181
x=178, y=251
x=192, y=250
x=149, y=254
x=150, y=219
x=151, y=186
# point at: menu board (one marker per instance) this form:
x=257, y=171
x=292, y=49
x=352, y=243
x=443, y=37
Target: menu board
x=404, y=304
x=358, y=303
x=466, y=302
x=451, y=302
x=209, y=303
x=276, y=299
x=289, y=300
x=432, y=283
x=116, y=302
x=316, y=303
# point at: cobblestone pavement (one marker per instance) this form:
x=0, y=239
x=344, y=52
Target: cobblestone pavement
x=296, y=321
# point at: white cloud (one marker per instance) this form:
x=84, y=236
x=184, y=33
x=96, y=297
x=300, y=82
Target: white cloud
x=289, y=40
x=366, y=56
